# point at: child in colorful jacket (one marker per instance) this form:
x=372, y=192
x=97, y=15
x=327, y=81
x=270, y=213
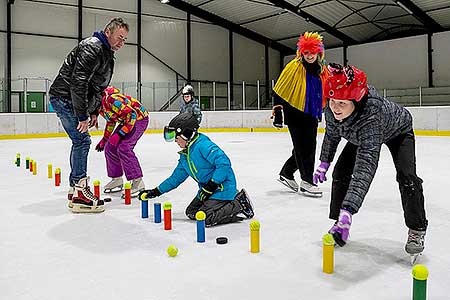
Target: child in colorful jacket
x=119, y=142
x=207, y=164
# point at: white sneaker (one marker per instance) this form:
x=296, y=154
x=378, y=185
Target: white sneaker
x=115, y=185
x=310, y=189
x=290, y=183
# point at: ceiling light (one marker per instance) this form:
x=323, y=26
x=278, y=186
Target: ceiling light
x=164, y=1
x=404, y=7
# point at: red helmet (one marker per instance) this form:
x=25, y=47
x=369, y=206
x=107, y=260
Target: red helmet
x=345, y=83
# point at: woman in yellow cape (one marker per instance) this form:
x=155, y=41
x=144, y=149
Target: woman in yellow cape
x=298, y=99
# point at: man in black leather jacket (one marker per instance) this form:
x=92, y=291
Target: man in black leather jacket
x=75, y=95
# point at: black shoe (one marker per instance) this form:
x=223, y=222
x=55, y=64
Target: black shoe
x=244, y=200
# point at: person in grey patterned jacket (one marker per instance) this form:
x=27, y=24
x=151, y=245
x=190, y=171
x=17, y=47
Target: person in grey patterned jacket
x=190, y=104
x=357, y=113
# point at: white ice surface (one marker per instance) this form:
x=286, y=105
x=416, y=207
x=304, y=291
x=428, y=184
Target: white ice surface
x=47, y=252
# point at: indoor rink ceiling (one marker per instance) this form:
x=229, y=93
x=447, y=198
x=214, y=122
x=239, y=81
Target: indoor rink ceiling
x=341, y=22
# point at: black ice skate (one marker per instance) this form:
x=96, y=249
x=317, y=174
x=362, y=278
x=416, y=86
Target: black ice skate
x=244, y=200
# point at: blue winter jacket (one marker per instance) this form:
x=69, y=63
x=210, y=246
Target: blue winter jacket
x=203, y=161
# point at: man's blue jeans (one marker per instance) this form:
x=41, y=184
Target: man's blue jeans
x=81, y=142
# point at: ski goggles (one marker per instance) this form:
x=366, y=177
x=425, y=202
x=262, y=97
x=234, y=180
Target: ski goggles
x=169, y=133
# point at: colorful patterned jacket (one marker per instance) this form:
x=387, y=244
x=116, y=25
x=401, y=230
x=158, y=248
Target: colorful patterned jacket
x=122, y=109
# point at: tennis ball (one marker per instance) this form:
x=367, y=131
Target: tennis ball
x=96, y=182
x=167, y=205
x=254, y=225
x=172, y=251
x=328, y=239
x=420, y=272
x=200, y=215
x=127, y=185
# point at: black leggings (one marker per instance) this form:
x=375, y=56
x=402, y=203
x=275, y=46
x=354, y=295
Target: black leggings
x=303, y=135
x=217, y=211
x=402, y=149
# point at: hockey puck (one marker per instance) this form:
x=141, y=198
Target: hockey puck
x=107, y=199
x=221, y=240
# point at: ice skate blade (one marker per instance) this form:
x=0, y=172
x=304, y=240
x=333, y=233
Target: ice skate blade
x=337, y=238
x=309, y=194
x=113, y=190
x=80, y=208
x=414, y=258
x=134, y=194
x=287, y=185
x=70, y=204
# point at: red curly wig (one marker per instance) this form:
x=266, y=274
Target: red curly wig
x=310, y=42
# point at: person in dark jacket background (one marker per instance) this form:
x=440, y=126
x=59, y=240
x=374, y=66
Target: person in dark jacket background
x=76, y=95
x=190, y=104
x=366, y=120
x=210, y=167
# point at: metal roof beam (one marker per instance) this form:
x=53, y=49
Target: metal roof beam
x=215, y=19
x=308, y=17
x=420, y=15
x=262, y=18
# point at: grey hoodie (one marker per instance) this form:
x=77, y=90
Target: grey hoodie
x=192, y=107
x=379, y=121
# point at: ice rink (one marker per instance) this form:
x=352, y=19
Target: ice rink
x=47, y=252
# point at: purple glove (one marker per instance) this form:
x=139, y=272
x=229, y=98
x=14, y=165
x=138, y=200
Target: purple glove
x=101, y=145
x=319, y=174
x=341, y=228
x=114, y=139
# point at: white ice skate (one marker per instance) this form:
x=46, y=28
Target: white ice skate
x=83, y=201
x=290, y=183
x=114, y=186
x=309, y=189
x=137, y=185
x=415, y=244
x=70, y=196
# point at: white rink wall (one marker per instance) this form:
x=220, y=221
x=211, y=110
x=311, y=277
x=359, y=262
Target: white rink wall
x=425, y=118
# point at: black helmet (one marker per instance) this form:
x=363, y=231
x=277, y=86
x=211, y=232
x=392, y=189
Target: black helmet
x=188, y=90
x=184, y=125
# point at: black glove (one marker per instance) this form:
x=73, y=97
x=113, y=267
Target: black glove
x=277, y=116
x=149, y=194
x=207, y=190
